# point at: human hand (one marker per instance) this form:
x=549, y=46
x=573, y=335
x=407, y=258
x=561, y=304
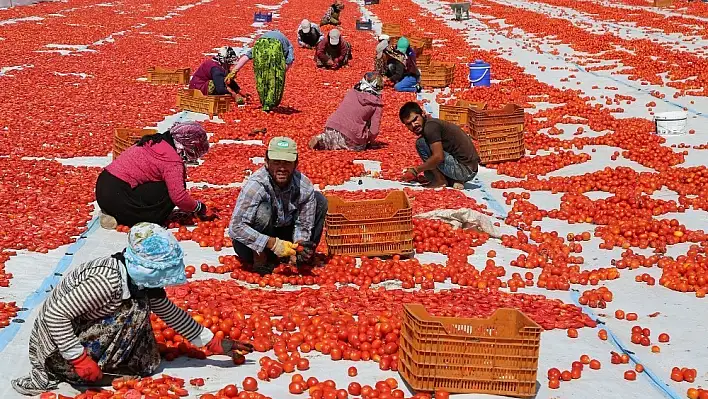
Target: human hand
x=410, y=174
x=283, y=248
x=305, y=251
x=87, y=368
x=227, y=346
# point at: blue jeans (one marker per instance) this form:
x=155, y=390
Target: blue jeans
x=450, y=167
x=406, y=84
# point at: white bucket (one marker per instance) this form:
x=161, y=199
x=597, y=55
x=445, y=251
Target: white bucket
x=671, y=123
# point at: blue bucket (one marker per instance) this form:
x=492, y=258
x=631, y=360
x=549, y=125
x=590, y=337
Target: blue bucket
x=480, y=74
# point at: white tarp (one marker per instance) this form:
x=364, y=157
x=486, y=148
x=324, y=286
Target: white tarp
x=13, y=3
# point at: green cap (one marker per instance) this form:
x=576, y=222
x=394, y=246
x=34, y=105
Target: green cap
x=282, y=149
x=402, y=44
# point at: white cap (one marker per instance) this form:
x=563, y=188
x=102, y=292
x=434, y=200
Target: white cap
x=334, y=37
x=305, y=26
x=384, y=37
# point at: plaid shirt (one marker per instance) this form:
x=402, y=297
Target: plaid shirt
x=294, y=205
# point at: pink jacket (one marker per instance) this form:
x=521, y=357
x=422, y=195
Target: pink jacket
x=151, y=163
x=358, y=117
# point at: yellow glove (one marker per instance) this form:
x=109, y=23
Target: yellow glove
x=284, y=249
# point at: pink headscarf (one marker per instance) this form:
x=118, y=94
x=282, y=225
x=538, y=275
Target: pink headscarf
x=190, y=140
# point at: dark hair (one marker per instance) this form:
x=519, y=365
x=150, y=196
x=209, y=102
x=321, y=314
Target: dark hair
x=156, y=138
x=409, y=108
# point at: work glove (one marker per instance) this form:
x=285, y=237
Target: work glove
x=87, y=368
x=284, y=249
x=202, y=212
x=226, y=346
x=308, y=249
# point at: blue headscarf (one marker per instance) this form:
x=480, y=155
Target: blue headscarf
x=153, y=257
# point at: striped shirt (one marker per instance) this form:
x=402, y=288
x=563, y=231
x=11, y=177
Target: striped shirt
x=294, y=205
x=95, y=290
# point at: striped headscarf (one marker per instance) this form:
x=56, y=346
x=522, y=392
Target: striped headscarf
x=153, y=257
x=190, y=140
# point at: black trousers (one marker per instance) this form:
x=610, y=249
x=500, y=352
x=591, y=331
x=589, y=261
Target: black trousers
x=148, y=202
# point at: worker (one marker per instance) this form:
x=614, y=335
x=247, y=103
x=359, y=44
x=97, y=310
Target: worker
x=448, y=154
x=355, y=123
x=401, y=67
x=333, y=53
x=332, y=16
x=214, y=76
x=272, y=56
x=380, y=60
x=97, y=319
x=277, y=211
x=148, y=179
x=308, y=35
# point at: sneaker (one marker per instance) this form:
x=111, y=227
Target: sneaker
x=108, y=222
x=418, y=88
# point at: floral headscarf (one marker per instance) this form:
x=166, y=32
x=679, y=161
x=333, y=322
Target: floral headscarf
x=226, y=56
x=190, y=139
x=371, y=83
x=153, y=257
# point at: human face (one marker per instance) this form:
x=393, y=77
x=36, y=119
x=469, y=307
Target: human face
x=414, y=123
x=281, y=171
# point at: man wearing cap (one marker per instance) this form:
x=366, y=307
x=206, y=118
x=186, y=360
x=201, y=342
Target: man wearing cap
x=308, y=35
x=334, y=52
x=277, y=211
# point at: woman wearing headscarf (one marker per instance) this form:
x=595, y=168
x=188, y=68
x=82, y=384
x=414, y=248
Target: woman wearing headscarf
x=213, y=77
x=380, y=60
x=355, y=123
x=401, y=67
x=332, y=17
x=97, y=319
x=147, y=181
x=334, y=52
x=272, y=56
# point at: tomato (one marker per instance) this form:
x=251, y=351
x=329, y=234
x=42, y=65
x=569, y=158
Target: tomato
x=572, y=333
x=352, y=371
x=553, y=384
x=602, y=334
x=296, y=388
x=303, y=364
x=554, y=374
x=631, y=316
x=441, y=394
x=630, y=375
x=231, y=391
x=663, y=337
x=250, y=384
x=595, y=364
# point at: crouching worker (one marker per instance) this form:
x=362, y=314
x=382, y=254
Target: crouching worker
x=332, y=17
x=333, y=52
x=355, y=124
x=97, y=319
x=147, y=180
x=401, y=67
x=448, y=154
x=308, y=35
x=277, y=210
x=213, y=77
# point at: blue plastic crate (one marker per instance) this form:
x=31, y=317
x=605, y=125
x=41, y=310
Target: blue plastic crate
x=263, y=17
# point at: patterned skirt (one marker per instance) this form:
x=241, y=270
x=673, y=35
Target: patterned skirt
x=269, y=67
x=122, y=343
x=332, y=139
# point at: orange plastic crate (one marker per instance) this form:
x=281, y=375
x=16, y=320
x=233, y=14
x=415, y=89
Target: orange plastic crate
x=421, y=42
x=481, y=120
x=166, y=76
x=392, y=30
x=437, y=74
x=497, y=355
x=663, y=3
x=124, y=138
x=378, y=227
x=193, y=100
x=458, y=113
x=422, y=60
x=501, y=144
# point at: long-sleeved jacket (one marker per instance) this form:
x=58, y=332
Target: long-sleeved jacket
x=209, y=70
x=400, y=65
x=358, y=117
x=338, y=54
x=294, y=205
x=152, y=163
